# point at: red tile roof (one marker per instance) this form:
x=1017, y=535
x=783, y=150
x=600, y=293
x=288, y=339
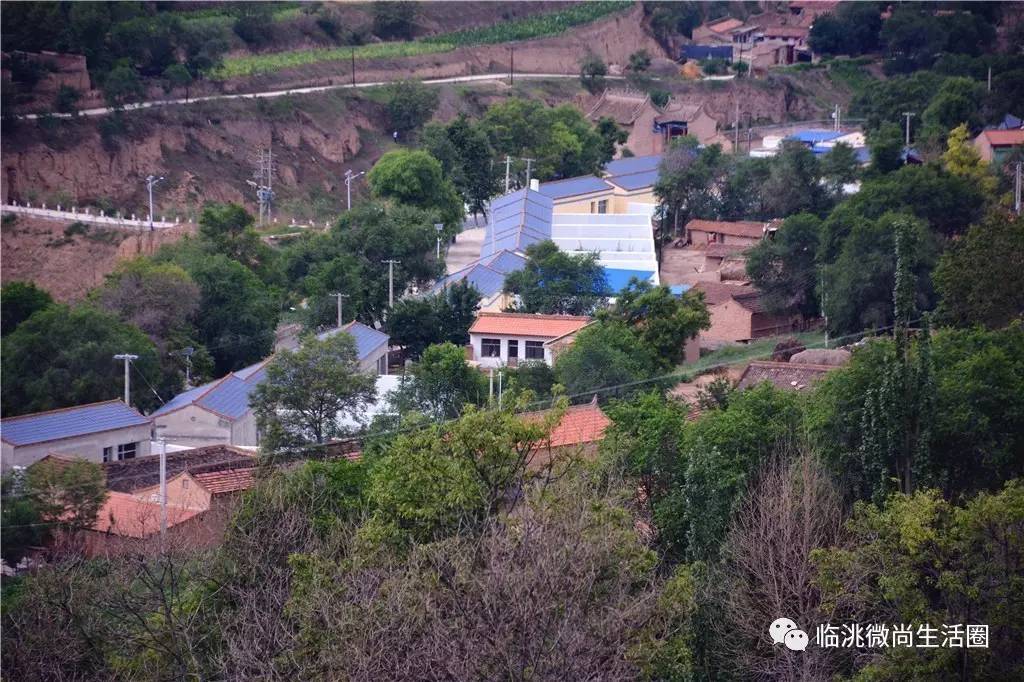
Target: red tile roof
x=719, y=292
x=739, y=228
x=579, y=425
x=525, y=324
x=1002, y=138
x=227, y=481
x=719, y=250
x=123, y=514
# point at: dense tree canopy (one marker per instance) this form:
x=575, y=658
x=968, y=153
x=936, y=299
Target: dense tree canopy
x=556, y=282
x=414, y=178
x=18, y=302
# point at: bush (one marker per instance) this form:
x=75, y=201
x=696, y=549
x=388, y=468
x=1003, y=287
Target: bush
x=66, y=99
x=394, y=19
x=592, y=72
x=410, y=104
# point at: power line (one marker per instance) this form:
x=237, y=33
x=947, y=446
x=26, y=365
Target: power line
x=530, y=407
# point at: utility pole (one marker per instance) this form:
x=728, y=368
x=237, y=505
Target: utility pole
x=186, y=353
x=264, y=181
x=511, y=66
x=1017, y=188
x=127, y=357
x=339, y=296
x=508, y=166
x=151, y=181
x=439, y=227
x=349, y=177
x=990, y=79
x=529, y=167
x=353, y=67
x=909, y=116
x=490, y=384
x=500, y=374
x=736, y=142
x=163, y=491
x=391, y=280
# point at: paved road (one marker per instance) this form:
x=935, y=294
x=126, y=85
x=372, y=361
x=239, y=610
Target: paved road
x=82, y=217
x=101, y=111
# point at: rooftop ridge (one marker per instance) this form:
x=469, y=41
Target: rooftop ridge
x=68, y=409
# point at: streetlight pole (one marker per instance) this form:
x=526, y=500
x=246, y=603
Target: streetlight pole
x=439, y=227
x=127, y=357
x=391, y=280
x=163, y=491
x=151, y=181
x=349, y=177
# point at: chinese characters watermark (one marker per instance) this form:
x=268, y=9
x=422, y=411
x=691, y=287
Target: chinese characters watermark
x=877, y=636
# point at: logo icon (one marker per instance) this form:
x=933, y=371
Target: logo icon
x=785, y=631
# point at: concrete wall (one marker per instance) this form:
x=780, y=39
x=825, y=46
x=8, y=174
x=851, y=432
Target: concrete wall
x=244, y=431
x=375, y=362
x=88, y=447
x=192, y=425
x=581, y=203
x=475, y=340
x=182, y=491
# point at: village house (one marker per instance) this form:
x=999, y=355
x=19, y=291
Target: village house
x=577, y=434
x=744, y=233
x=99, y=432
x=506, y=339
x=219, y=412
x=651, y=129
x=738, y=314
x=994, y=146
x=487, y=275
x=203, y=485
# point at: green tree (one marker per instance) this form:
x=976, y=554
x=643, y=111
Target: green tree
x=64, y=356
x=912, y=38
x=440, y=385
x=177, y=76
x=592, y=72
x=607, y=359
x=305, y=391
x=840, y=167
x=394, y=19
x=66, y=100
x=794, y=183
x=18, y=302
x=785, y=268
x=556, y=282
x=663, y=322
x=122, y=85
x=415, y=323
x=535, y=376
x=886, y=144
x=415, y=178
x=956, y=102
x=921, y=559
x=612, y=136
x=639, y=61
x=687, y=183
x=237, y=314
x=410, y=104
x=350, y=259
x=980, y=278
x=228, y=229
x=852, y=29
x=66, y=494
x=466, y=157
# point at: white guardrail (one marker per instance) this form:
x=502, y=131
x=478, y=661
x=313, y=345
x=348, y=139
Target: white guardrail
x=87, y=216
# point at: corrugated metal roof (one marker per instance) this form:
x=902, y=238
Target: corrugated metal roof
x=815, y=136
x=184, y=398
x=69, y=422
x=632, y=181
x=506, y=262
x=227, y=396
x=517, y=220
x=367, y=339
x=634, y=164
x=571, y=187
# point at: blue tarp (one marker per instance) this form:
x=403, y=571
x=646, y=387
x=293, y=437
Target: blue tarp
x=618, y=279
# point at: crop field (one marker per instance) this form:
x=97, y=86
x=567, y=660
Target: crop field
x=539, y=26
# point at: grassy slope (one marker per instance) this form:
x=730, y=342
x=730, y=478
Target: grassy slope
x=542, y=25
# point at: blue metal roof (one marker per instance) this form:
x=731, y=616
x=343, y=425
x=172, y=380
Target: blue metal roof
x=367, y=339
x=517, y=220
x=506, y=262
x=70, y=422
x=618, y=279
x=707, y=52
x=815, y=136
x=634, y=164
x=227, y=396
x=632, y=181
x=585, y=184
x=679, y=289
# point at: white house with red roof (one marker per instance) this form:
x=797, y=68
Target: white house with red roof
x=507, y=339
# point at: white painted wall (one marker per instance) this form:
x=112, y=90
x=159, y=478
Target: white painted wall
x=89, y=447
x=476, y=341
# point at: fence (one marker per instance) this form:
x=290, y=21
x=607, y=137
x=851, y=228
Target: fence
x=87, y=216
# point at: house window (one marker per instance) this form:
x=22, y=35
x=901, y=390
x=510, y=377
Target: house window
x=126, y=451
x=513, y=348
x=592, y=207
x=108, y=454
x=602, y=206
x=490, y=348
x=184, y=484
x=534, y=350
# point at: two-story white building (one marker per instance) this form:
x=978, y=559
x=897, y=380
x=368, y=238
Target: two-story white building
x=507, y=339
